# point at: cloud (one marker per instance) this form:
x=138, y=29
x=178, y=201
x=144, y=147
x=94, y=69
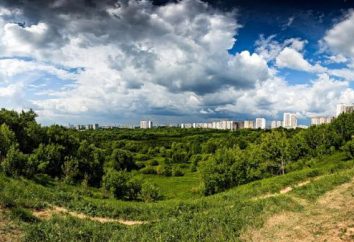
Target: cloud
x=340, y=38
x=134, y=57
x=319, y=97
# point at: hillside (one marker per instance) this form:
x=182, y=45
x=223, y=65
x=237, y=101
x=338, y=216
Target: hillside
x=266, y=210
x=166, y=184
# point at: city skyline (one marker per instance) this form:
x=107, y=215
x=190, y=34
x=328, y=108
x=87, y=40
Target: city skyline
x=174, y=61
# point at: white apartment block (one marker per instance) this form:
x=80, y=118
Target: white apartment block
x=260, y=123
x=289, y=120
x=186, y=126
x=248, y=124
x=321, y=120
x=145, y=124
x=276, y=124
x=344, y=108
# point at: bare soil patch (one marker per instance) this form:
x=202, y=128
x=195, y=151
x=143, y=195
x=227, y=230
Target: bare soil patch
x=331, y=218
x=55, y=210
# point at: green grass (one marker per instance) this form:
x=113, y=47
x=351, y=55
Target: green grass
x=183, y=187
x=182, y=216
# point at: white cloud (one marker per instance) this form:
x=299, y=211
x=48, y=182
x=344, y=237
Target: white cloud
x=320, y=97
x=340, y=38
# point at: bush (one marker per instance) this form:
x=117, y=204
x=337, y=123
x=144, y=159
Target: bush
x=164, y=170
x=348, y=148
x=15, y=163
x=177, y=172
x=150, y=192
x=148, y=170
x=154, y=163
x=121, y=184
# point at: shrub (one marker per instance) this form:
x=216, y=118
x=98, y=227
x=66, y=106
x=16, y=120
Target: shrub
x=177, y=172
x=15, y=162
x=349, y=149
x=150, y=192
x=164, y=170
x=121, y=184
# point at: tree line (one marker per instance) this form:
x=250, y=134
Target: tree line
x=111, y=159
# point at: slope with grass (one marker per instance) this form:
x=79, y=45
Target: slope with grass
x=85, y=214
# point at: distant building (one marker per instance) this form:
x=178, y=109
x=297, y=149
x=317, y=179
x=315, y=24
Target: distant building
x=145, y=124
x=186, y=126
x=321, y=120
x=276, y=124
x=248, y=124
x=240, y=124
x=95, y=126
x=289, y=121
x=260, y=123
x=344, y=108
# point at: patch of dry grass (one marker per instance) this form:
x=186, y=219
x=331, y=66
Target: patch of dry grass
x=330, y=218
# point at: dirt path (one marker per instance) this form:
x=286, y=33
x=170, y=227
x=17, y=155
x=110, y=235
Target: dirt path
x=55, y=210
x=331, y=218
x=285, y=190
x=9, y=232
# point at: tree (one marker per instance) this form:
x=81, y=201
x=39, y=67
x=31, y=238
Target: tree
x=121, y=160
x=275, y=146
x=48, y=159
x=7, y=139
x=15, y=162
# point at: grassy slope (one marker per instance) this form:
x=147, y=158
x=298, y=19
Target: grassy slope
x=220, y=217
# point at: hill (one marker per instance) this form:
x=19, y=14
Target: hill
x=48, y=210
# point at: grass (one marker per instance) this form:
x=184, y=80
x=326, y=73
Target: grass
x=183, y=187
x=183, y=215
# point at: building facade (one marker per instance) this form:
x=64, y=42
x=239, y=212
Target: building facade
x=260, y=123
x=145, y=124
x=276, y=124
x=289, y=120
x=344, y=108
x=321, y=120
x=248, y=124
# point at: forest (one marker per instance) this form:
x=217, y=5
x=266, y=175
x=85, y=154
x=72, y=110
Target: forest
x=115, y=159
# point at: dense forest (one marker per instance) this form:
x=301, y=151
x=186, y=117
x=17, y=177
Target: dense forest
x=114, y=159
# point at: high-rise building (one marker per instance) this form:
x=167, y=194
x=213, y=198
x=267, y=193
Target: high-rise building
x=289, y=121
x=321, y=120
x=248, y=124
x=260, y=123
x=344, y=108
x=276, y=124
x=145, y=124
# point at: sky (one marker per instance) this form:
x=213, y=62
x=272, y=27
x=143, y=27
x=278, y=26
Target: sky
x=118, y=62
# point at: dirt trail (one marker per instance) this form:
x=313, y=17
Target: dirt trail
x=331, y=218
x=55, y=210
x=285, y=190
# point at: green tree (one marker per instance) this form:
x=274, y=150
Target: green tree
x=275, y=146
x=15, y=163
x=7, y=139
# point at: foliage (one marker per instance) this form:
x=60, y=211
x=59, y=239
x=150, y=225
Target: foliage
x=150, y=192
x=121, y=185
x=15, y=163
